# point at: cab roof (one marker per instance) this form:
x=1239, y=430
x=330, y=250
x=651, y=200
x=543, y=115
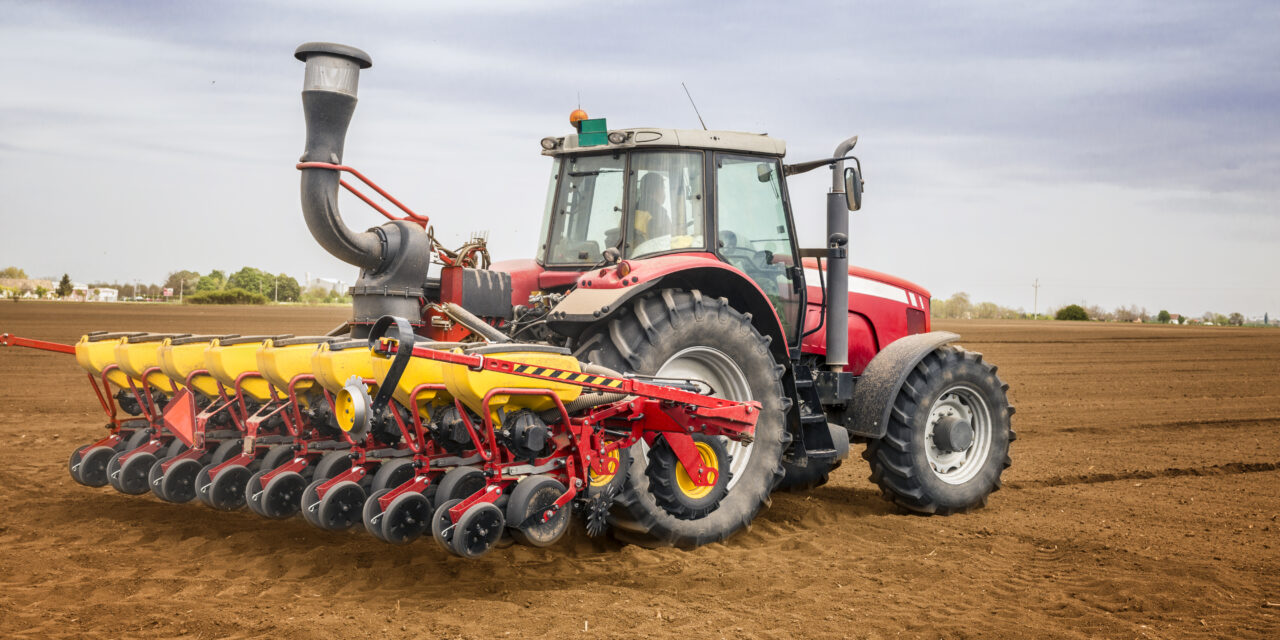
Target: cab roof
x=643, y=137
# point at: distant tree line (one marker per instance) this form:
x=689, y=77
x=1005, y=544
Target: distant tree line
x=1134, y=313
x=246, y=286
x=960, y=306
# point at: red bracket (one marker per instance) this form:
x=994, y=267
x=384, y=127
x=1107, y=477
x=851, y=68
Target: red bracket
x=294, y=465
x=410, y=215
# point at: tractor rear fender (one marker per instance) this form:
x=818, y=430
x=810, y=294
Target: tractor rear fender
x=876, y=389
x=602, y=292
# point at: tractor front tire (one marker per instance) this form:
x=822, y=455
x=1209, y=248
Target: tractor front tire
x=683, y=334
x=947, y=440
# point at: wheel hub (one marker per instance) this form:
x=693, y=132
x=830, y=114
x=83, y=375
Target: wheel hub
x=958, y=434
x=952, y=433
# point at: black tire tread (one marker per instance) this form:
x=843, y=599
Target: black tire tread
x=890, y=457
x=631, y=341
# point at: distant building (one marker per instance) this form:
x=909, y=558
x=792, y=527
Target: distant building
x=328, y=284
x=83, y=293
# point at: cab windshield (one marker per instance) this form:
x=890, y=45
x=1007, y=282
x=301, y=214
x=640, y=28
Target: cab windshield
x=641, y=203
x=588, y=212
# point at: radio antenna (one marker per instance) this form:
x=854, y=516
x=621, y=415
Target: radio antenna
x=695, y=107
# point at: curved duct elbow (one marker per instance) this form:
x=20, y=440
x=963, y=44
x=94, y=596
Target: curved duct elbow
x=328, y=100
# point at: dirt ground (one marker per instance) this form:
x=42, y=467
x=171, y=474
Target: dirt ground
x=1144, y=502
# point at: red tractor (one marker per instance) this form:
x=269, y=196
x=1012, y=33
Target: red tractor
x=670, y=256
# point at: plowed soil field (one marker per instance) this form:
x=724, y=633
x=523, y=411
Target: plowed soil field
x=1144, y=501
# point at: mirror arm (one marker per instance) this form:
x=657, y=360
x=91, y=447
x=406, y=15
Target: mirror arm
x=805, y=167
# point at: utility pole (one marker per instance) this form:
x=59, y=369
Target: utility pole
x=1035, y=305
x=277, y=289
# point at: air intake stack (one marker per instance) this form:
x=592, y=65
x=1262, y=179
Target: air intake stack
x=393, y=258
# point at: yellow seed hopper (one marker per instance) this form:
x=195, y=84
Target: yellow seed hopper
x=139, y=358
x=471, y=386
x=229, y=359
x=180, y=357
x=333, y=363
x=283, y=360
x=97, y=351
x=417, y=372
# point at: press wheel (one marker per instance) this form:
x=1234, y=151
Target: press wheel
x=155, y=478
x=406, y=518
x=529, y=501
x=310, y=504
x=478, y=530
x=372, y=514
x=253, y=493
x=73, y=465
x=93, y=466
x=282, y=497
x=179, y=483
x=132, y=479
x=226, y=493
x=442, y=524
x=341, y=506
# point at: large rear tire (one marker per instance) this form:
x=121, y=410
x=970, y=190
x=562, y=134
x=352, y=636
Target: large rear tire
x=947, y=440
x=682, y=334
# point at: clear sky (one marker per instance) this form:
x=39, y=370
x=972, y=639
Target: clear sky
x=1121, y=152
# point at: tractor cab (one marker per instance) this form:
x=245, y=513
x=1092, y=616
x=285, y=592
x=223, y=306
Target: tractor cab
x=650, y=193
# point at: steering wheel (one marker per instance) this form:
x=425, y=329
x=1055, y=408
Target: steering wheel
x=758, y=265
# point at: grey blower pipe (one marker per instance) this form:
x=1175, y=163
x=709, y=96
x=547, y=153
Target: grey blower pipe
x=393, y=258
x=474, y=323
x=838, y=263
x=328, y=100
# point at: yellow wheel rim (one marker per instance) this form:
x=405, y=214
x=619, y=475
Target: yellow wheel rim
x=687, y=487
x=602, y=480
x=343, y=411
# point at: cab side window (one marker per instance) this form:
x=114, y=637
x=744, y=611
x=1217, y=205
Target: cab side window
x=752, y=232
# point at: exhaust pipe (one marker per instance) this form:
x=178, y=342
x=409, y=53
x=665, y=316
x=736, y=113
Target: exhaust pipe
x=393, y=258
x=838, y=263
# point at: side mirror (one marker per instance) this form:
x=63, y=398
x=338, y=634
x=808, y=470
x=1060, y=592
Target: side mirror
x=853, y=185
x=764, y=172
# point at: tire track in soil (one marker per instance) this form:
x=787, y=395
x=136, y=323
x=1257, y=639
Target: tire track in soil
x=1179, y=425
x=1230, y=468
